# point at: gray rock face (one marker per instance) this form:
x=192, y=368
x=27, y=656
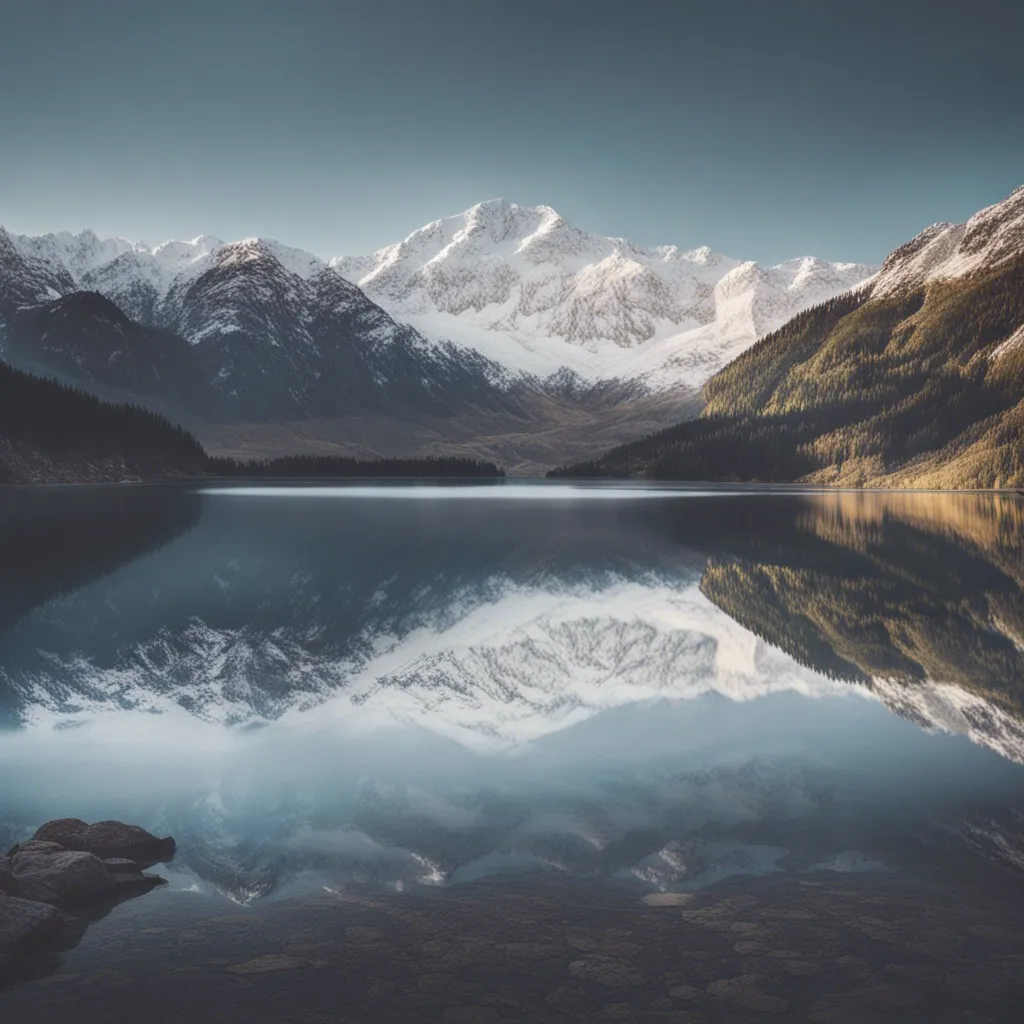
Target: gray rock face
x=66, y=832
x=33, y=846
x=23, y=924
x=60, y=876
x=8, y=883
x=121, y=866
x=107, y=839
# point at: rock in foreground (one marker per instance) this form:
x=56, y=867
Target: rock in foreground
x=107, y=839
x=25, y=924
x=50, y=874
x=8, y=883
x=70, y=864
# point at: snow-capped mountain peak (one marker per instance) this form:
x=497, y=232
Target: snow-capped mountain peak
x=519, y=285
x=77, y=253
x=176, y=254
x=535, y=293
x=293, y=261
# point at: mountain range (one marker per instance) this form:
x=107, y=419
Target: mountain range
x=509, y=335
x=537, y=295
x=915, y=378
x=503, y=331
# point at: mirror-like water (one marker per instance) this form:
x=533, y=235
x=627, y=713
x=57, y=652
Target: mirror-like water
x=413, y=688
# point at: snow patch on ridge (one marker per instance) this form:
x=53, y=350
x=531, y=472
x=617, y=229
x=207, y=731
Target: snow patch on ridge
x=947, y=708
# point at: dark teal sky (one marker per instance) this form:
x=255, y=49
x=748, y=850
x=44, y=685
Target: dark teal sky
x=763, y=128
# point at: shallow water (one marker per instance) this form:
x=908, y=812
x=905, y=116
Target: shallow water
x=342, y=701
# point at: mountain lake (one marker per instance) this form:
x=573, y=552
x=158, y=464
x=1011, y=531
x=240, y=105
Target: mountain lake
x=523, y=751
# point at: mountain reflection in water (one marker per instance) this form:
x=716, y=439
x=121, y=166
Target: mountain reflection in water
x=312, y=689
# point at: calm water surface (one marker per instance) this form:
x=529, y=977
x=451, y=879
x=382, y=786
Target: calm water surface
x=758, y=729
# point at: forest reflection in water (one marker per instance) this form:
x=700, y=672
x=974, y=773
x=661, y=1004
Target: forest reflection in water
x=424, y=691
x=241, y=608
x=911, y=594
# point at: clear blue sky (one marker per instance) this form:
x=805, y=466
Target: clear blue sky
x=763, y=128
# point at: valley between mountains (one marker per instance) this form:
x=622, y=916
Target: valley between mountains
x=507, y=335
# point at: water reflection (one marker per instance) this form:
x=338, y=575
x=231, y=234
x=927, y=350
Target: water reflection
x=314, y=690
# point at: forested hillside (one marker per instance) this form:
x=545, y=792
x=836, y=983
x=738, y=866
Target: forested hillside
x=923, y=387
x=888, y=590
x=53, y=433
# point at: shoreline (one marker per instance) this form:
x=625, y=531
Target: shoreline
x=547, y=949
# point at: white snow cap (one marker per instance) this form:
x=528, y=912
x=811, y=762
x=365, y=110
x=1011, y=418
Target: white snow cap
x=534, y=293
x=519, y=285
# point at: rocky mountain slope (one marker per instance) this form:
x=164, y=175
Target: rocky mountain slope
x=915, y=379
x=262, y=349
x=245, y=331
x=534, y=293
x=85, y=338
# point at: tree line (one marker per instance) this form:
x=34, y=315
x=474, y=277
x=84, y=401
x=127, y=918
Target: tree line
x=60, y=425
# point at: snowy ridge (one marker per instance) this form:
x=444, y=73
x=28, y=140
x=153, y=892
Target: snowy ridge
x=158, y=268
x=945, y=251
x=243, y=273
x=141, y=278
x=531, y=291
x=491, y=675
x=517, y=285
x=92, y=261
x=78, y=254
x=525, y=289
x=272, y=331
x=27, y=279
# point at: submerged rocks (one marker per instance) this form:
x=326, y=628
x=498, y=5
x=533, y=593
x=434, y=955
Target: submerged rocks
x=71, y=864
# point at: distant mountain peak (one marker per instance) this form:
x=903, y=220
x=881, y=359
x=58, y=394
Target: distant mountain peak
x=255, y=248
x=535, y=293
x=178, y=250
x=502, y=209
